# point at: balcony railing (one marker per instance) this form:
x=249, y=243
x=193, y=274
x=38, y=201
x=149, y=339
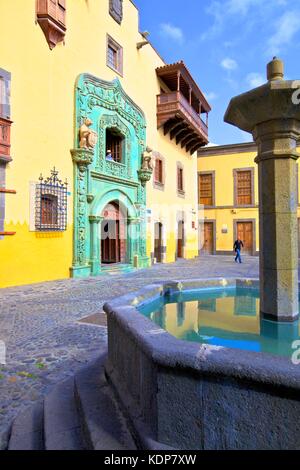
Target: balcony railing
x=169, y=103
x=5, y=125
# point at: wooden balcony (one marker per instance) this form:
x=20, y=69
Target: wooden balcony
x=181, y=120
x=51, y=16
x=5, y=125
x=179, y=109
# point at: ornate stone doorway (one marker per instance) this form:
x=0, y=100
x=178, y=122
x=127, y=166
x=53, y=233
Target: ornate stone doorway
x=112, y=165
x=113, y=235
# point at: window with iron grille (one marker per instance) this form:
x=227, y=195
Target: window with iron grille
x=206, y=189
x=180, y=179
x=158, y=171
x=243, y=182
x=115, y=143
x=51, y=203
x=49, y=209
x=114, y=56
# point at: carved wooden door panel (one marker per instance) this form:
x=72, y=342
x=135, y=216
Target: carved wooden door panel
x=208, y=241
x=245, y=233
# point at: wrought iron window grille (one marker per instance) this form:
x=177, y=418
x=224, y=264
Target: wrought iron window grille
x=51, y=203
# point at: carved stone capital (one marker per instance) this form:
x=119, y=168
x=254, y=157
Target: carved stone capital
x=95, y=219
x=277, y=139
x=133, y=220
x=82, y=156
x=144, y=176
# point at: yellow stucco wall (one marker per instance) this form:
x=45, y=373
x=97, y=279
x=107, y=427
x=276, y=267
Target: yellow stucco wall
x=42, y=108
x=223, y=166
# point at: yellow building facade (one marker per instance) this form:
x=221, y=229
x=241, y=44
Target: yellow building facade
x=228, y=198
x=68, y=63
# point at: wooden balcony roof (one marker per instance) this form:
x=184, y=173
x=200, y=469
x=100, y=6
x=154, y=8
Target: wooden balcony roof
x=170, y=74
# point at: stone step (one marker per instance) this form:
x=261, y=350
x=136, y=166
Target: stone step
x=27, y=431
x=116, y=268
x=105, y=427
x=62, y=427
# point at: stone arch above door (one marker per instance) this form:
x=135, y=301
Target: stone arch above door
x=102, y=200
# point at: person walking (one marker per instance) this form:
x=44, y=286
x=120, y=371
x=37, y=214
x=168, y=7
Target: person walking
x=238, y=245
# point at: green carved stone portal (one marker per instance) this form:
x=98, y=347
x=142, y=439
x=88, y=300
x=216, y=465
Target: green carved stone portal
x=99, y=182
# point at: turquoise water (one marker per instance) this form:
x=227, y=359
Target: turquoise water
x=226, y=317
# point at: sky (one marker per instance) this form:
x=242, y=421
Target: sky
x=226, y=45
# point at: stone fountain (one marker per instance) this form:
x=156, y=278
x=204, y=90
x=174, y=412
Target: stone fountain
x=272, y=116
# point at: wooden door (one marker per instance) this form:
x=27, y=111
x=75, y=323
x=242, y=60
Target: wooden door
x=158, y=242
x=245, y=233
x=110, y=245
x=208, y=238
x=180, y=239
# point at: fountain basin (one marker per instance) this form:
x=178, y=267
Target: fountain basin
x=187, y=395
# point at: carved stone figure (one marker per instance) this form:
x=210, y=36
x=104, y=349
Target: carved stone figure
x=147, y=162
x=116, y=9
x=87, y=137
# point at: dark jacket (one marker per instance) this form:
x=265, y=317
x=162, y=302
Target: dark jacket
x=238, y=244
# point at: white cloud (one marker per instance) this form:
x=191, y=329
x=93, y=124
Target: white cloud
x=241, y=7
x=211, y=96
x=229, y=64
x=286, y=28
x=251, y=10
x=255, y=79
x=173, y=32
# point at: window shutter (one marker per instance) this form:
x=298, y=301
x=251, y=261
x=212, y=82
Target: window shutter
x=179, y=179
x=206, y=189
x=244, y=188
x=157, y=170
x=160, y=171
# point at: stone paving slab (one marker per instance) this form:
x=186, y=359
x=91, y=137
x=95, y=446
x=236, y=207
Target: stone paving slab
x=45, y=341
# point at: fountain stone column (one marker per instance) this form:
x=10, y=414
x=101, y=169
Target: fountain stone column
x=269, y=112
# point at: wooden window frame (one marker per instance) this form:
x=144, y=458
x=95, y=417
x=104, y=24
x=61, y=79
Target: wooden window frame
x=52, y=213
x=180, y=191
x=122, y=144
x=111, y=43
x=213, y=188
x=157, y=184
x=158, y=163
x=235, y=190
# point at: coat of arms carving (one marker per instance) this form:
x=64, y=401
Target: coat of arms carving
x=116, y=9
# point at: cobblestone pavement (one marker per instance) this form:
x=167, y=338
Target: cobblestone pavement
x=45, y=343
